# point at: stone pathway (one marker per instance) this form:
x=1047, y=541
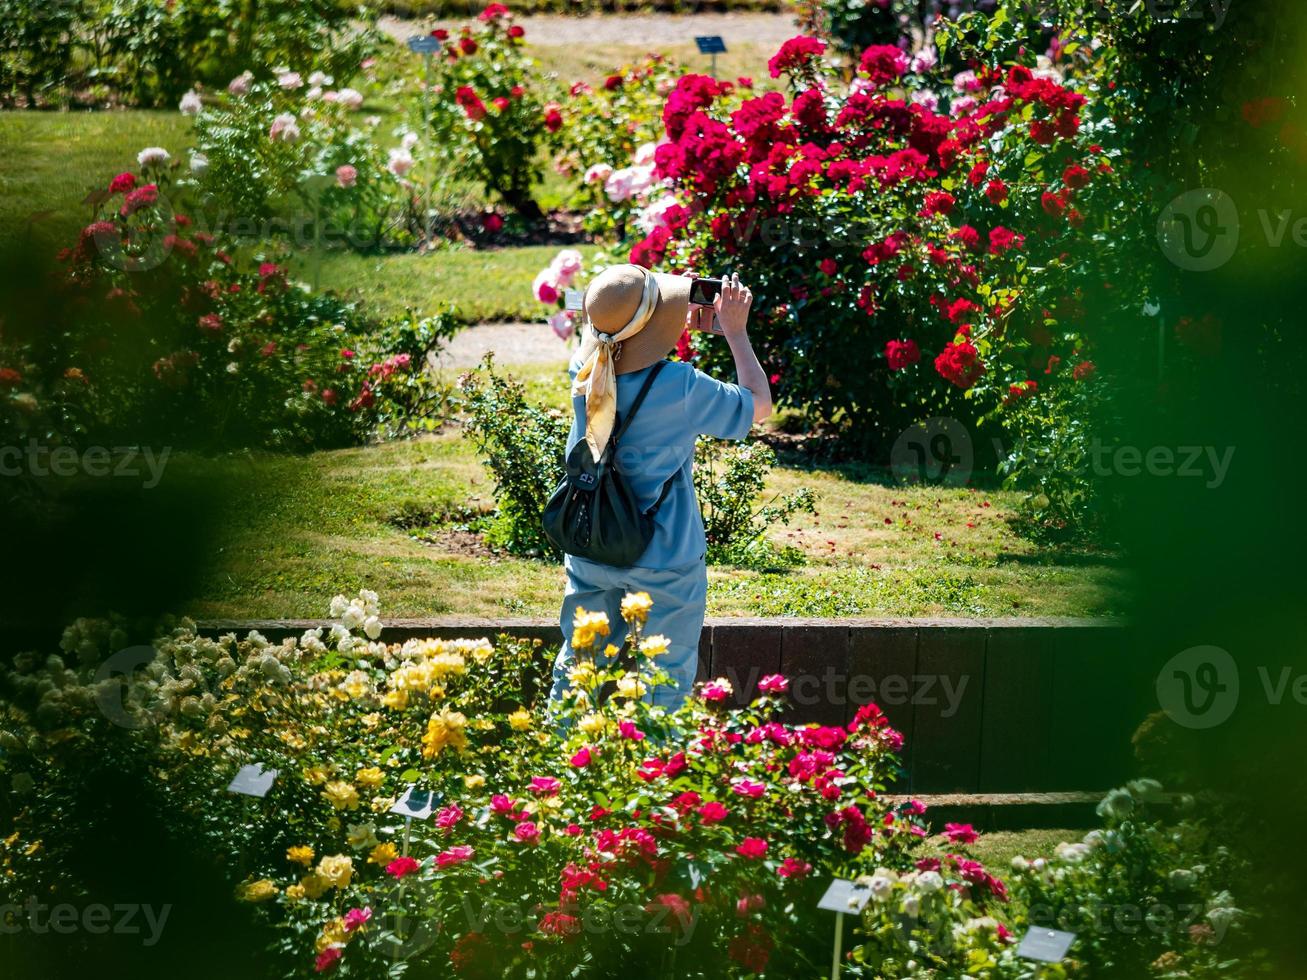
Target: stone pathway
x=513, y=343
x=644, y=29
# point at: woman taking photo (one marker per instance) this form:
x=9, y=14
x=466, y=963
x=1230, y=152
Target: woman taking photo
x=627, y=516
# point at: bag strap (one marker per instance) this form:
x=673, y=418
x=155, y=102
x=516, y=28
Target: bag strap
x=667, y=488
x=639, y=400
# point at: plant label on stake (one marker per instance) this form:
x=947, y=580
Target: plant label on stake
x=427, y=46
x=573, y=299
x=415, y=804
x=252, y=780
x=1046, y=945
x=712, y=44
x=842, y=896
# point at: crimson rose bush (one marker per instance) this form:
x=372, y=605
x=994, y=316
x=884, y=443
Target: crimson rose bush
x=489, y=116
x=917, y=245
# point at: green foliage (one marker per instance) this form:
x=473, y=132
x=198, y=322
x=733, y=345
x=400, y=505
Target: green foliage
x=489, y=117
x=612, y=127
x=277, y=161
x=164, y=338
x=152, y=51
x=523, y=445
x=729, y=479
x=36, y=46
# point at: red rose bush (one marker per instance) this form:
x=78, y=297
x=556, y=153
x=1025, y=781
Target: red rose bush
x=916, y=244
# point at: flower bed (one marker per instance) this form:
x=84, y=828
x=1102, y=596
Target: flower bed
x=169, y=335
x=607, y=833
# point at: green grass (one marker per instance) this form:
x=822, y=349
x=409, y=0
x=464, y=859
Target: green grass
x=296, y=531
x=50, y=160
x=484, y=285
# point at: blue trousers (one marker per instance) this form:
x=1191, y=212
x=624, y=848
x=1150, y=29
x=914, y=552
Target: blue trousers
x=679, y=599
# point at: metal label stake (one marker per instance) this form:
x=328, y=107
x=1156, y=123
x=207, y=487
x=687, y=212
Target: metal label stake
x=842, y=897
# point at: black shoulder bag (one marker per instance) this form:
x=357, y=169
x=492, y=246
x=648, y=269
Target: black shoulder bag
x=593, y=514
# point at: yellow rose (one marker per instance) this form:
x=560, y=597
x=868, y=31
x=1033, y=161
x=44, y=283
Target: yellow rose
x=314, y=885
x=654, y=646
x=333, y=934
x=371, y=720
x=361, y=835
x=592, y=724
x=582, y=674
x=357, y=684
x=317, y=775
x=257, y=891
x=295, y=892
x=630, y=686
x=444, y=730
x=520, y=720
x=383, y=854
x=474, y=780
x=337, y=870
x=588, y=627
x=341, y=795
x=395, y=700
x=300, y=854
x=370, y=778
x=635, y=607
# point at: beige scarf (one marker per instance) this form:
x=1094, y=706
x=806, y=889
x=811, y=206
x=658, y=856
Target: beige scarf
x=597, y=379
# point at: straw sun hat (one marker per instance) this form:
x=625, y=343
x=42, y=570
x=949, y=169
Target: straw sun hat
x=633, y=318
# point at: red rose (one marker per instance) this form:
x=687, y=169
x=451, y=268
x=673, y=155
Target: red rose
x=122, y=183
x=1042, y=132
x=440, y=34
x=1001, y=239
x=1076, y=176
x=937, y=202
x=500, y=103
x=795, y=53
x=613, y=82
x=492, y=222
x=467, y=45
x=1054, y=204
x=883, y=63
x=959, y=364
x=829, y=266
x=553, y=120
x=902, y=353
x=996, y=191
x=1083, y=371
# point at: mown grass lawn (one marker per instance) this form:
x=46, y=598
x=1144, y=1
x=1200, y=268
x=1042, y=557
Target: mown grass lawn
x=484, y=285
x=392, y=518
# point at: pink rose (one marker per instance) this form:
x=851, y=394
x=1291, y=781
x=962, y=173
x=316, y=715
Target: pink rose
x=346, y=176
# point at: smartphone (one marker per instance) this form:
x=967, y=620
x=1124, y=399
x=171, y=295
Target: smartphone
x=704, y=292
